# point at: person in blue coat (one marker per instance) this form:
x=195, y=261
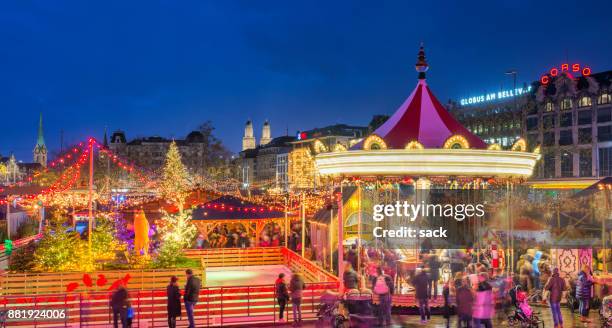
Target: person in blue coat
x=584, y=291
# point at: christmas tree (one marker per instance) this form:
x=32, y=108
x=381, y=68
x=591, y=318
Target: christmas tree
x=177, y=232
x=175, y=183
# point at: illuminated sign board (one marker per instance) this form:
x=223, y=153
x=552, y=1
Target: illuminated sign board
x=568, y=69
x=503, y=94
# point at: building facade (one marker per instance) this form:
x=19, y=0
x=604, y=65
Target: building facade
x=568, y=114
x=265, y=167
x=302, y=173
x=571, y=118
x=150, y=152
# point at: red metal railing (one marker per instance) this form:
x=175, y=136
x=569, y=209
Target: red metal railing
x=231, y=305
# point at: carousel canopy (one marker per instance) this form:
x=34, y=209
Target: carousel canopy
x=422, y=118
x=233, y=208
x=422, y=139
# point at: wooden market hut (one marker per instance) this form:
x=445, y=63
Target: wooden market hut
x=230, y=210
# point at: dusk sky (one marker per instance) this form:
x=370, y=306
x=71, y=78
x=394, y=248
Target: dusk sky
x=163, y=67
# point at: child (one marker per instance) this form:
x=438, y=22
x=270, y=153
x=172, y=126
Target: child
x=130, y=315
x=521, y=297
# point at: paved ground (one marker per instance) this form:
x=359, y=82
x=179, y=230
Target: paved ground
x=439, y=322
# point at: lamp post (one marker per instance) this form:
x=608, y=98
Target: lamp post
x=510, y=186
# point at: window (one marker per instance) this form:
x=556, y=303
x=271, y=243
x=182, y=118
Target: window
x=604, y=133
x=532, y=139
x=548, y=107
x=565, y=138
x=605, y=161
x=584, y=117
x=585, y=136
x=549, y=139
x=585, y=166
x=604, y=98
x=584, y=101
x=548, y=121
x=604, y=115
x=565, y=120
x=566, y=104
x=567, y=164
x=548, y=167
x=532, y=123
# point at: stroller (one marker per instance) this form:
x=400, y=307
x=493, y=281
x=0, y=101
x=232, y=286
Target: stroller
x=354, y=309
x=605, y=312
x=329, y=313
x=523, y=316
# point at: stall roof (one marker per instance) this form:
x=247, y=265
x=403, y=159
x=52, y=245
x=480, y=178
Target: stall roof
x=234, y=208
x=324, y=214
x=593, y=188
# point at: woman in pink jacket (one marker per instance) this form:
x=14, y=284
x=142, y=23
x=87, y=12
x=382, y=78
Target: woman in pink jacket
x=484, y=304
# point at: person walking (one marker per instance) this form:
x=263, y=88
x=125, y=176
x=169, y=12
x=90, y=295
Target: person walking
x=282, y=295
x=555, y=285
x=119, y=302
x=420, y=282
x=349, y=277
x=352, y=256
x=584, y=286
x=483, y=304
x=434, y=275
x=192, y=294
x=296, y=288
x=383, y=287
x=446, y=309
x=465, y=300
x=173, y=295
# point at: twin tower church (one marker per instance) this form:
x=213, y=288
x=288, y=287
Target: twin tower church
x=249, y=142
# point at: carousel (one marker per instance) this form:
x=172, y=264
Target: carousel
x=419, y=149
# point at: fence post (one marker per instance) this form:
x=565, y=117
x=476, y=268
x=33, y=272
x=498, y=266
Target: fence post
x=221, y=306
x=152, y=308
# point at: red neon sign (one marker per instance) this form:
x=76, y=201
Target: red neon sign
x=565, y=68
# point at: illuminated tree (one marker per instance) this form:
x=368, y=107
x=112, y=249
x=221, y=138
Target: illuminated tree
x=61, y=251
x=175, y=184
x=103, y=242
x=177, y=232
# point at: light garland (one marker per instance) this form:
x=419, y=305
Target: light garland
x=494, y=146
x=319, y=147
x=456, y=140
x=374, y=142
x=519, y=145
x=414, y=145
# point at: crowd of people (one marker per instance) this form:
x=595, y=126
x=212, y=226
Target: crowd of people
x=236, y=236
x=477, y=290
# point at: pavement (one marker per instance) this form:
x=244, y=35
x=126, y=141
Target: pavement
x=437, y=321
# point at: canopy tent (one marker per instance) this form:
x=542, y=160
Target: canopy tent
x=594, y=188
x=233, y=210
x=422, y=118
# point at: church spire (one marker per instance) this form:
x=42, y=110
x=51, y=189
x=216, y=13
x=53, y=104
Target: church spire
x=41, y=138
x=40, y=150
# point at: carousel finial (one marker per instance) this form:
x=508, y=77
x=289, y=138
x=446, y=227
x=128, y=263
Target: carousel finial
x=421, y=64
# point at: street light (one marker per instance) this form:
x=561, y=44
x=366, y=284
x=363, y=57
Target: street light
x=509, y=187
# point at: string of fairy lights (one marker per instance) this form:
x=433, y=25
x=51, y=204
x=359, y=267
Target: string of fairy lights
x=71, y=164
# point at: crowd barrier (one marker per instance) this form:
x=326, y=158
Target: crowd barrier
x=231, y=305
x=223, y=257
x=99, y=281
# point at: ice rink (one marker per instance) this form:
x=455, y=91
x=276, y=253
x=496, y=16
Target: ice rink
x=245, y=275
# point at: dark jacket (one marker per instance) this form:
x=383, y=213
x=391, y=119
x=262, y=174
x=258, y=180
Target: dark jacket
x=119, y=298
x=556, y=286
x=583, y=286
x=280, y=289
x=174, y=301
x=465, y=299
x=434, y=267
x=297, y=286
x=192, y=289
x=421, y=283
x=350, y=279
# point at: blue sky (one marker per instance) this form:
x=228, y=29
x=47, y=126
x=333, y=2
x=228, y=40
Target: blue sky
x=163, y=67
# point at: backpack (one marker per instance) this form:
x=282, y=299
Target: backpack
x=381, y=287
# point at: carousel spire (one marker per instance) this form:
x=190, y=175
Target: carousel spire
x=421, y=64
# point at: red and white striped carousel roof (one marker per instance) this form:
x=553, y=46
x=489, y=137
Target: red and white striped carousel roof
x=422, y=118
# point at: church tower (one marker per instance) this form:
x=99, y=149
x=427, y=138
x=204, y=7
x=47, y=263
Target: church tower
x=266, y=136
x=248, y=141
x=40, y=150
